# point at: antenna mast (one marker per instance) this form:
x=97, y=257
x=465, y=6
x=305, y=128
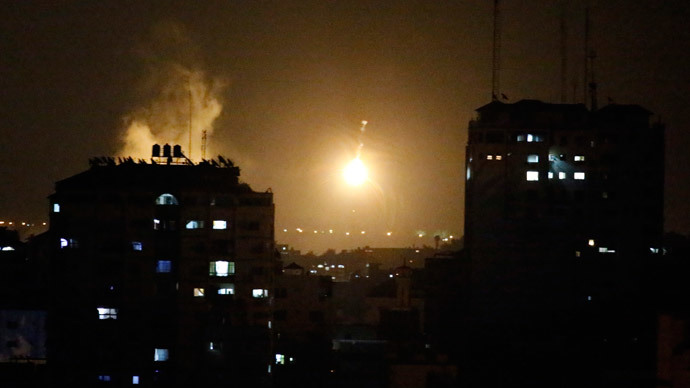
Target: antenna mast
x=564, y=55
x=496, y=66
x=203, y=144
x=590, y=84
x=189, y=87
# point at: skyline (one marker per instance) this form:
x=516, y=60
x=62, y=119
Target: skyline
x=292, y=82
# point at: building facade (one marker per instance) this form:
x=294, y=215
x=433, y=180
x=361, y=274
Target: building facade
x=564, y=211
x=162, y=274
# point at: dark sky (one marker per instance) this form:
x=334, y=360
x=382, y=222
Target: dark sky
x=284, y=85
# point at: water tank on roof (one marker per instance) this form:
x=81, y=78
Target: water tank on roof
x=156, y=152
x=177, y=151
x=166, y=150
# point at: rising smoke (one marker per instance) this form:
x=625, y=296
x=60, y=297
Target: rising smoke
x=176, y=97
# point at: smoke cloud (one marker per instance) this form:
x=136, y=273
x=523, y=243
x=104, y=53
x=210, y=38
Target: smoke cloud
x=178, y=101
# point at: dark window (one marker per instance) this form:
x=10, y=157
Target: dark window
x=494, y=137
x=258, y=248
x=281, y=292
x=12, y=325
x=221, y=246
x=579, y=195
x=280, y=315
x=255, y=270
x=316, y=316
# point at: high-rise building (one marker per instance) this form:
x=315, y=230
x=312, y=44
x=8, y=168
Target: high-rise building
x=564, y=210
x=162, y=274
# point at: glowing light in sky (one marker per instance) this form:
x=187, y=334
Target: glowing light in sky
x=355, y=173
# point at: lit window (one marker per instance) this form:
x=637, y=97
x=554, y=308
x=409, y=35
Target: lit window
x=103, y=377
x=553, y=158
x=69, y=243
x=160, y=354
x=163, y=266
x=221, y=268
x=7, y=248
x=603, y=249
x=157, y=224
x=107, y=313
x=280, y=359
x=561, y=175
x=533, y=158
x=212, y=346
x=166, y=199
x=226, y=289
x=220, y=224
x=56, y=208
x=260, y=293
x=654, y=250
x=550, y=174
x=580, y=176
x=590, y=242
x=499, y=157
x=577, y=253
x=194, y=224
x=198, y=292
x=521, y=137
x=532, y=175
x=589, y=297
x=534, y=138
x=489, y=157
x=137, y=246
x=135, y=380
x=579, y=158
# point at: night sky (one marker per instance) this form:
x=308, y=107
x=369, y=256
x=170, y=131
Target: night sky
x=282, y=87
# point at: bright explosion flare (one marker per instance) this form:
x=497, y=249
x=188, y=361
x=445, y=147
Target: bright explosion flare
x=355, y=173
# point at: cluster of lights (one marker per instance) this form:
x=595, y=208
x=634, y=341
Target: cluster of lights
x=328, y=267
x=362, y=232
x=12, y=223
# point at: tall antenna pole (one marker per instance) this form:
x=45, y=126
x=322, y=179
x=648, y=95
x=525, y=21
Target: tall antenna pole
x=590, y=84
x=495, y=76
x=564, y=56
x=586, y=60
x=203, y=144
x=189, y=86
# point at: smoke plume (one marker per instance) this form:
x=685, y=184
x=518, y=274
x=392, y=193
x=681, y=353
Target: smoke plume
x=178, y=101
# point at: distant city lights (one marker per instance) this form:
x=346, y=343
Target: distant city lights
x=444, y=235
x=23, y=223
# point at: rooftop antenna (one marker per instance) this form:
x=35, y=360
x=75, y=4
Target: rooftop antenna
x=590, y=84
x=189, y=87
x=564, y=55
x=496, y=66
x=203, y=144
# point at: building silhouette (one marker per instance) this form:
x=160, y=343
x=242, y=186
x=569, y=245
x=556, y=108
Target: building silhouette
x=162, y=274
x=564, y=213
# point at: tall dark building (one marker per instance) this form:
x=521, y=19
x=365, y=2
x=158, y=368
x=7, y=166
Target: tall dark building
x=564, y=211
x=162, y=275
